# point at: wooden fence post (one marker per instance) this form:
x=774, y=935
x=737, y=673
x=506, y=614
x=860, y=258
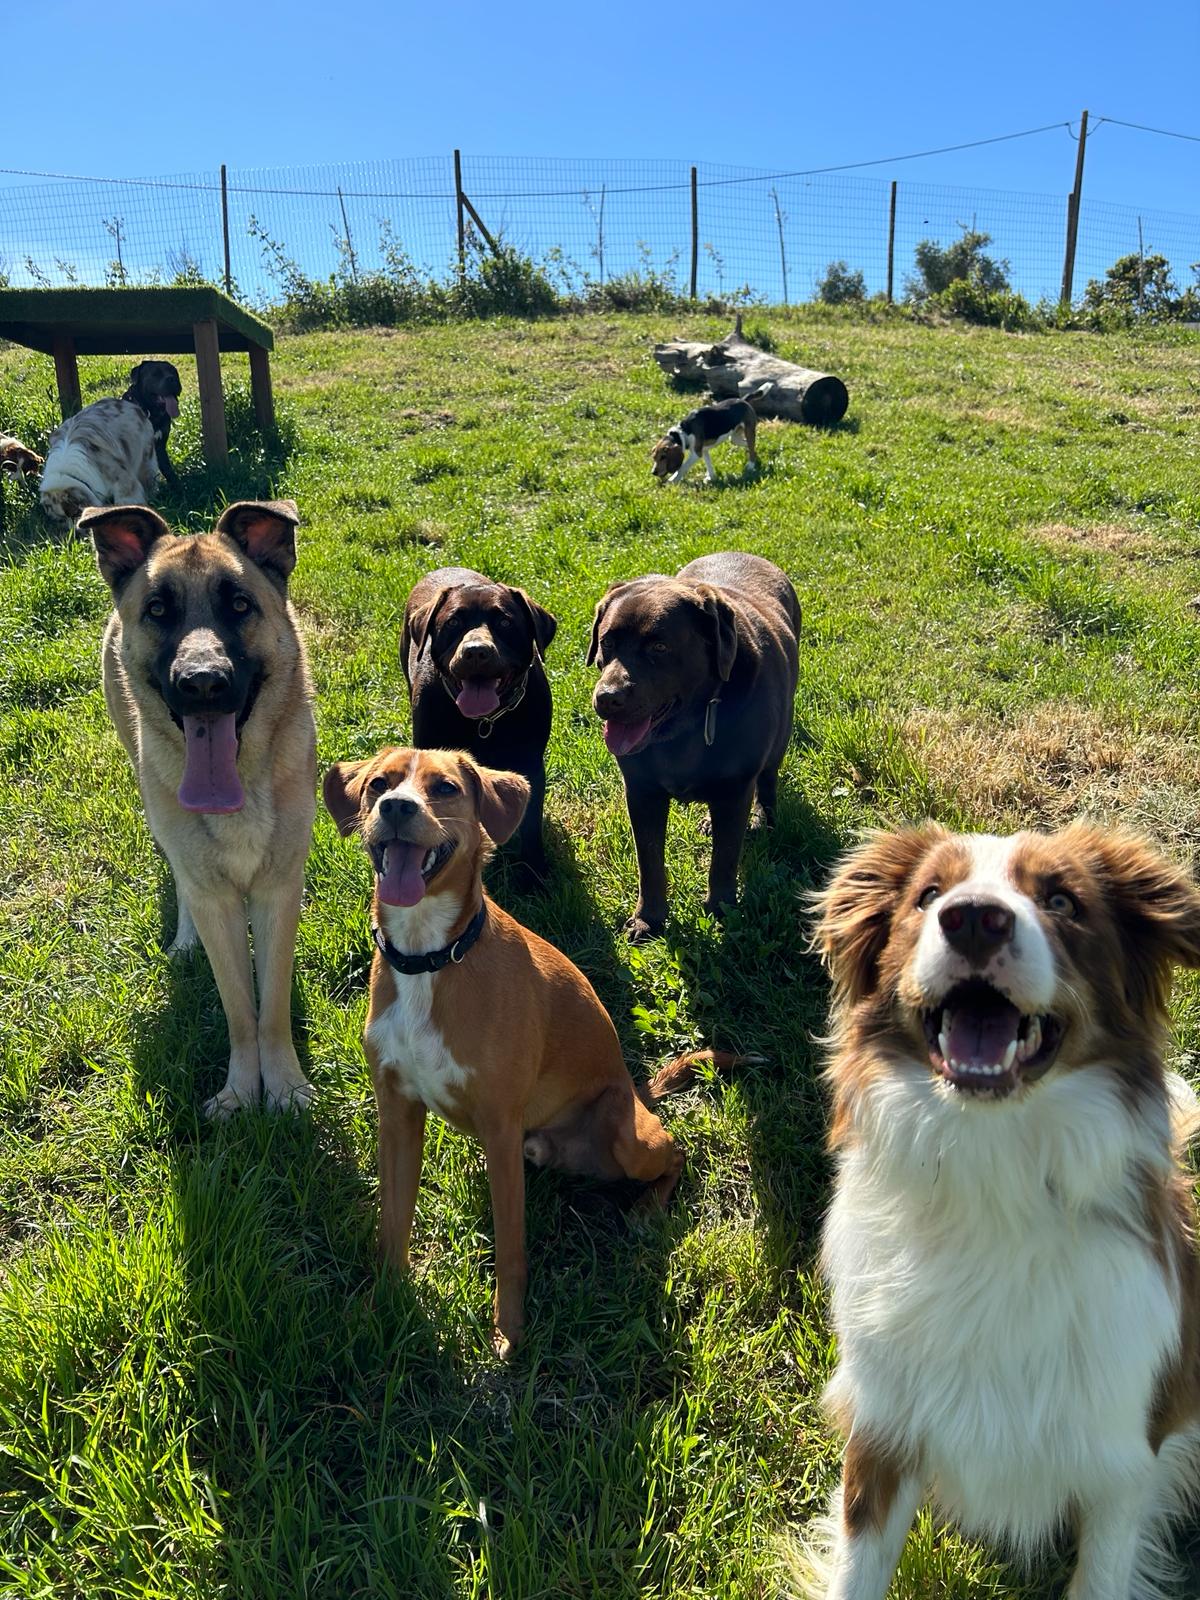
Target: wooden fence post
x=458, y=202
x=1068, y=277
x=225, y=229
x=891, y=242
x=695, y=236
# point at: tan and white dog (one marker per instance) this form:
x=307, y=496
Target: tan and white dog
x=1011, y=1252
x=102, y=456
x=206, y=682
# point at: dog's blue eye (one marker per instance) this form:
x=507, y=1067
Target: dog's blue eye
x=1062, y=904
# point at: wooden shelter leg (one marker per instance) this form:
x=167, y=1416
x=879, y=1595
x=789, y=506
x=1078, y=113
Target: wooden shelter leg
x=66, y=372
x=260, y=388
x=212, y=394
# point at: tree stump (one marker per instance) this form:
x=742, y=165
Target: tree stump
x=733, y=367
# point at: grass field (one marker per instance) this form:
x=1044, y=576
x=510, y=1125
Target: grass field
x=205, y=1389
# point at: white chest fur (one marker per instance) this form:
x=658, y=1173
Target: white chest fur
x=998, y=1317
x=404, y=1035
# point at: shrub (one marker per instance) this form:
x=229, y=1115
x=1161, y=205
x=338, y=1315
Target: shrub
x=998, y=308
x=840, y=286
x=941, y=265
x=1138, y=288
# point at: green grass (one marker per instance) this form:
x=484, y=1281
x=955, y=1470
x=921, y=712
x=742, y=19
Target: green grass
x=205, y=1388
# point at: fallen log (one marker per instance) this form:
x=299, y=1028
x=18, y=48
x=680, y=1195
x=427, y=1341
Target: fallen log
x=734, y=366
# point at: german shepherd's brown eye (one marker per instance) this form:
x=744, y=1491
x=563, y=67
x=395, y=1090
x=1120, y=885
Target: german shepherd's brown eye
x=444, y=788
x=928, y=896
x=241, y=604
x=378, y=785
x=1062, y=904
x=156, y=608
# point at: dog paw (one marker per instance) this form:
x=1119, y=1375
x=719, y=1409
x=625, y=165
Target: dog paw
x=719, y=906
x=638, y=929
x=223, y=1104
x=539, y=1149
x=507, y=1344
x=292, y=1096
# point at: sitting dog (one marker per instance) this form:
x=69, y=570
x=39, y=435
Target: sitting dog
x=678, y=451
x=155, y=386
x=102, y=456
x=476, y=1018
x=1011, y=1244
x=17, y=459
x=699, y=675
x=472, y=654
x=206, y=682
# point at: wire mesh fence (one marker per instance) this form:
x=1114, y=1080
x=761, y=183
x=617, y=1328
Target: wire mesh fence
x=773, y=234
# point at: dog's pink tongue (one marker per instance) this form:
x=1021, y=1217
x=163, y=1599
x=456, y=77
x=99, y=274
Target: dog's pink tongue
x=210, y=774
x=478, y=697
x=979, y=1037
x=622, y=737
x=170, y=404
x=400, y=883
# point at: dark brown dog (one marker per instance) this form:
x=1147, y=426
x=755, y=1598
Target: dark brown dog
x=699, y=675
x=472, y=653
x=155, y=386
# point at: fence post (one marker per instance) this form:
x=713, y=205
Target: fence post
x=695, y=235
x=1068, y=277
x=225, y=229
x=458, y=201
x=891, y=241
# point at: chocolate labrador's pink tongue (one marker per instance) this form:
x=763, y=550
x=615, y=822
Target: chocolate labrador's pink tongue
x=622, y=737
x=979, y=1035
x=400, y=883
x=478, y=697
x=210, y=774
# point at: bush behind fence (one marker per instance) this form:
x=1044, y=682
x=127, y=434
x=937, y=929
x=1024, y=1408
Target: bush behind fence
x=593, y=220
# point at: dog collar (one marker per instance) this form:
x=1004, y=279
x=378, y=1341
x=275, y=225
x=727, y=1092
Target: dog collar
x=486, y=724
x=433, y=960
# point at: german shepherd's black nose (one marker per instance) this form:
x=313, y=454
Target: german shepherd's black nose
x=203, y=682
x=976, y=928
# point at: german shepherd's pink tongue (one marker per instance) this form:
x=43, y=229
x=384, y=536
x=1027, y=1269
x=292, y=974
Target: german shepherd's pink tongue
x=478, y=697
x=210, y=774
x=622, y=737
x=401, y=882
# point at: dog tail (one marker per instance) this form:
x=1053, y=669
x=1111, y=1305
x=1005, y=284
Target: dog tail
x=680, y=1073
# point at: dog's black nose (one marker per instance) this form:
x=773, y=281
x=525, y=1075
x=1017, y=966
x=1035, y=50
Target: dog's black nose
x=395, y=808
x=610, y=702
x=476, y=649
x=976, y=928
x=202, y=682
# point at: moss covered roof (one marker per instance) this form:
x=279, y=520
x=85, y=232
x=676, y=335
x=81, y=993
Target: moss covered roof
x=139, y=321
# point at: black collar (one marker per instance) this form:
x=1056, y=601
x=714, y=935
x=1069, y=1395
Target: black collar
x=433, y=960
x=485, y=725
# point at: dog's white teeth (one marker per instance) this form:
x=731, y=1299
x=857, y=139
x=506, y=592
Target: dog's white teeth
x=1032, y=1042
x=430, y=858
x=944, y=1045
x=1009, y=1056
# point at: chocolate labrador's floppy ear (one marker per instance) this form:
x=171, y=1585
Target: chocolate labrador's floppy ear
x=597, y=619
x=342, y=793
x=501, y=798
x=543, y=622
x=722, y=625
x=420, y=622
x=124, y=537
x=266, y=531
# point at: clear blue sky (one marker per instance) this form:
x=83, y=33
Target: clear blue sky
x=135, y=89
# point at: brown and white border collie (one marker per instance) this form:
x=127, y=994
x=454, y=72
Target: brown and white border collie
x=1010, y=1246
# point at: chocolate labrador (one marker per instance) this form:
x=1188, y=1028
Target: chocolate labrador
x=155, y=386
x=472, y=653
x=698, y=678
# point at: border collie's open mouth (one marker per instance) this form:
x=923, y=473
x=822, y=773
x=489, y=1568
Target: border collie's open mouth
x=627, y=738
x=979, y=1041
x=404, y=870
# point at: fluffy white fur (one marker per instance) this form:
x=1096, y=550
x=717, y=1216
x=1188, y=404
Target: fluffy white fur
x=102, y=456
x=1001, y=1316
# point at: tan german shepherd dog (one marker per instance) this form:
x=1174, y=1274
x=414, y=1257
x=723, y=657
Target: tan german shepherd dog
x=206, y=680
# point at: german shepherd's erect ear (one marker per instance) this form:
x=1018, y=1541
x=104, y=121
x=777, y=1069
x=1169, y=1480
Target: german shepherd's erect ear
x=266, y=531
x=124, y=537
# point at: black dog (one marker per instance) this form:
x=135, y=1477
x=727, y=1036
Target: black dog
x=472, y=653
x=699, y=675
x=155, y=386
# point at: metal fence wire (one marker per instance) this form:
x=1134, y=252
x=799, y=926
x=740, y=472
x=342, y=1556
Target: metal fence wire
x=588, y=219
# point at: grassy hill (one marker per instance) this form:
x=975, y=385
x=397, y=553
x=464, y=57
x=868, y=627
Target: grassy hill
x=205, y=1389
